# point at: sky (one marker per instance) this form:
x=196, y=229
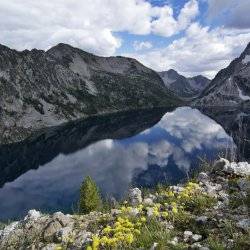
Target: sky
x=191, y=36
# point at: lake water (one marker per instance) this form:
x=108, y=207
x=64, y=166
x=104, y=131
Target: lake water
x=140, y=148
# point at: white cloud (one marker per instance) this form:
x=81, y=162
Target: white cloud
x=142, y=45
x=88, y=24
x=200, y=51
x=165, y=23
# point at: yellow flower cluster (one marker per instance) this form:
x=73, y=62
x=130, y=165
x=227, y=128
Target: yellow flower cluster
x=122, y=232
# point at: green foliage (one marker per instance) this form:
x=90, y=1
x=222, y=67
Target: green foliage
x=215, y=243
x=90, y=199
x=152, y=232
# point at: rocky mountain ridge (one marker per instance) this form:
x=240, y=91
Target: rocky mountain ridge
x=184, y=87
x=231, y=86
x=46, y=88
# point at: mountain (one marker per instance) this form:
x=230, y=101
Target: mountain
x=182, y=86
x=231, y=86
x=46, y=88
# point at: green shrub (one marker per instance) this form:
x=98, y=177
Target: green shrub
x=90, y=199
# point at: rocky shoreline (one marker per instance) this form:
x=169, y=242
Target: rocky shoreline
x=209, y=212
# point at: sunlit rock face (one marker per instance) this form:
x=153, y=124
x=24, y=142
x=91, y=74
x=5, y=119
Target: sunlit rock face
x=164, y=152
x=47, y=88
x=231, y=86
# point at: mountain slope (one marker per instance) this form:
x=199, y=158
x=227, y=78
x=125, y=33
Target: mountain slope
x=182, y=86
x=46, y=88
x=231, y=86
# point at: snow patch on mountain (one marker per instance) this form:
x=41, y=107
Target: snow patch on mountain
x=246, y=59
x=242, y=96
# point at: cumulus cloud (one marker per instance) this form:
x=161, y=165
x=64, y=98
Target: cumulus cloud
x=201, y=51
x=88, y=24
x=142, y=45
x=165, y=23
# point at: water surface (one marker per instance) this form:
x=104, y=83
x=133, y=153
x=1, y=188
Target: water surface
x=140, y=148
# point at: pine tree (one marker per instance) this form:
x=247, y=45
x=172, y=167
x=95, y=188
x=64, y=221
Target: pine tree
x=90, y=199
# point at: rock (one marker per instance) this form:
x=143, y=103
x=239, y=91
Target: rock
x=224, y=197
x=154, y=246
x=196, y=237
x=203, y=177
x=148, y=202
x=241, y=168
x=177, y=189
x=32, y=215
x=244, y=224
x=244, y=184
x=187, y=236
x=51, y=246
x=82, y=239
x=8, y=230
x=152, y=196
x=51, y=229
x=64, y=234
x=115, y=212
x=167, y=225
x=220, y=164
x=174, y=241
x=204, y=248
x=150, y=211
x=201, y=219
x=135, y=197
x=62, y=218
x=133, y=211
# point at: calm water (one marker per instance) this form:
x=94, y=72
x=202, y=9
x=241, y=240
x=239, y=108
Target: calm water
x=127, y=149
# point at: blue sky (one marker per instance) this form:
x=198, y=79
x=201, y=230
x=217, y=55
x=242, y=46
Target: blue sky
x=191, y=36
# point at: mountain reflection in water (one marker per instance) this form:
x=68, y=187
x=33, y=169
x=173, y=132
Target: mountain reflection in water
x=140, y=148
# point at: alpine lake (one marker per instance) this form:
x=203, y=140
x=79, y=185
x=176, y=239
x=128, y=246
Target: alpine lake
x=122, y=150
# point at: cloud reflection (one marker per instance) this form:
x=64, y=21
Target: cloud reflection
x=177, y=139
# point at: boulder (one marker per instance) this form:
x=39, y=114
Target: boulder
x=148, y=202
x=51, y=229
x=244, y=224
x=32, y=215
x=135, y=196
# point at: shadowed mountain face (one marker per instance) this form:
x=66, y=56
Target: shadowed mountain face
x=47, y=88
x=184, y=87
x=17, y=158
x=231, y=86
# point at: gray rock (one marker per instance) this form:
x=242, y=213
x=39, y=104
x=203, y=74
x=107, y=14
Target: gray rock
x=244, y=224
x=32, y=215
x=115, y=212
x=196, y=237
x=64, y=234
x=82, y=239
x=62, y=218
x=51, y=229
x=154, y=246
x=244, y=184
x=187, y=235
x=202, y=219
x=148, y=202
x=51, y=246
x=135, y=196
x=133, y=211
x=241, y=168
x=203, y=177
x=220, y=164
x=150, y=211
